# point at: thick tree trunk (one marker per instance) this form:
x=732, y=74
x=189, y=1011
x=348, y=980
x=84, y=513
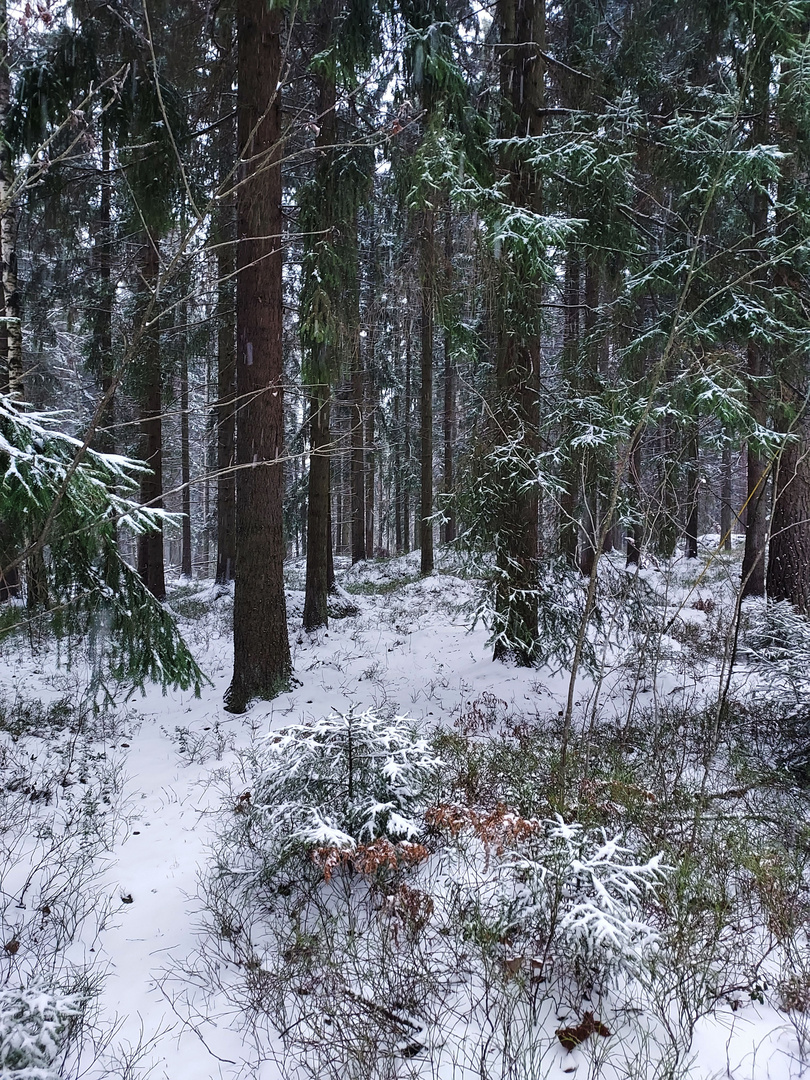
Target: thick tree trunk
x=262, y=665
x=426, y=397
x=150, y=545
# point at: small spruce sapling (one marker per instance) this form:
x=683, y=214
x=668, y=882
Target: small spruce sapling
x=341, y=781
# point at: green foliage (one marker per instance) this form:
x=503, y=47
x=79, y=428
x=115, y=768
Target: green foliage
x=329, y=298
x=50, y=83
x=340, y=781
x=80, y=497
x=150, y=156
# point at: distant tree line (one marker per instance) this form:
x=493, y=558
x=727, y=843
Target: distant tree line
x=355, y=278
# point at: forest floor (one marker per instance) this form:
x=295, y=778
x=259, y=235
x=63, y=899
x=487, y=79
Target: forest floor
x=112, y=810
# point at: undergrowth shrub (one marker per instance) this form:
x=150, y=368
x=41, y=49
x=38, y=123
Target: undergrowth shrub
x=35, y=1026
x=373, y=923
x=342, y=781
x=779, y=638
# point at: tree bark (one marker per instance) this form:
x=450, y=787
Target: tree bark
x=725, y=499
x=693, y=491
x=789, y=545
x=591, y=525
x=567, y=531
x=449, y=413
x=634, y=532
x=358, y=460
x=397, y=477
x=101, y=359
x=318, y=531
x=406, y=479
x=517, y=360
x=150, y=545
x=756, y=528
x=10, y=375
x=756, y=510
x=426, y=396
x=371, y=455
x=321, y=360
x=262, y=664
x=226, y=365
x=185, y=454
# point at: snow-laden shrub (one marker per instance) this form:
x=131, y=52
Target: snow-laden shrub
x=347, y=779
x=566, y=901
x=596, y=889
x=34, y=1023
x=779, y=638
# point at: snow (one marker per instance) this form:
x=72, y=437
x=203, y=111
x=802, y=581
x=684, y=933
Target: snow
x=408, y=652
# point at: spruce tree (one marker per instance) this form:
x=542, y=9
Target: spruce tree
x=262, y=664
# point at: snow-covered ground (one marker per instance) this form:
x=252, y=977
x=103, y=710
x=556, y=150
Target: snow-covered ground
x=148, y=778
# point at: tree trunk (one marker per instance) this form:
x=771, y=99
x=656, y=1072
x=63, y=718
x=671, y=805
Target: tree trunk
x=262, y=665
x=320, y=357
x=756, y=528
x=406, y=479
x=150, y=545
x=10, y=377
x=756, y=510
x=634, y=532
x=318, y=531
x=517, y=360
x=426, y=397
x=397, y=477
x=224, y=233
x=570, y=359
x=101, y=358
x=725, y=499
x=449, y=415
x=331, y=582
x=591, y=525
x=693, y=492
x=8, y=234
x=667, y=531
x=789, y=545
x=185, y=454
x=371, y=455
x=358, y=461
